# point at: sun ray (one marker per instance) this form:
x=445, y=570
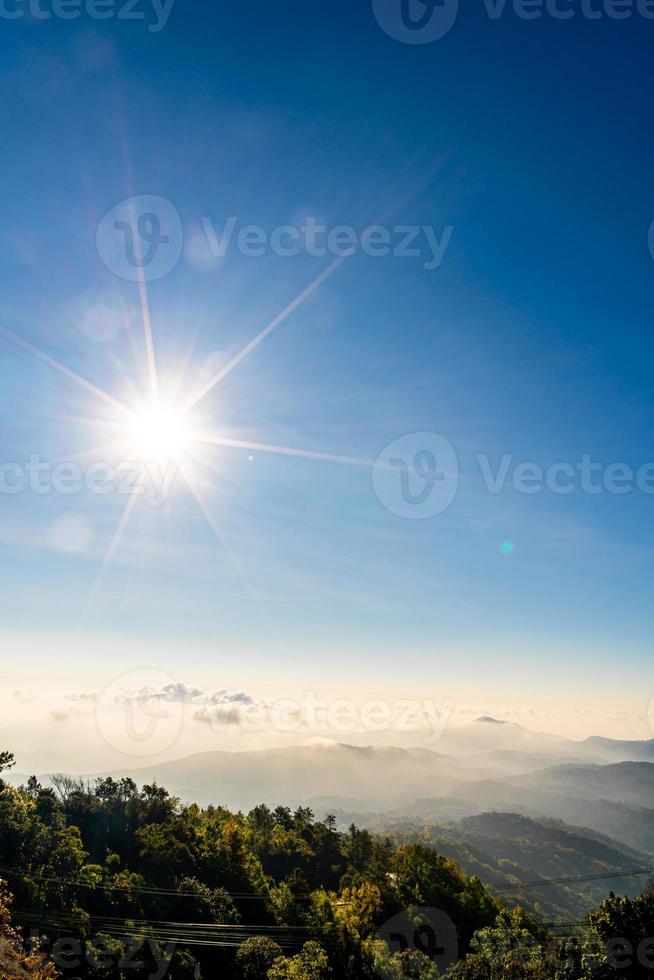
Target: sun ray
x=263, y=447
x=213, y=524
x=106, y=448
x=267, y=330
x=149, y=336
x=62, y=369
x=410, y=192
x=185, y=361
x=153, y=423
x=201, y=459
x=111, y=550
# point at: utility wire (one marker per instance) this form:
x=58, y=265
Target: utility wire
x=571, y=880
x=104, y=886
x=164, y=931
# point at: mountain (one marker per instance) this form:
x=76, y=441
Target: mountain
x=377, y=774
x=505, y=848
x=628, y=782
x=488, y=734
x=616, y=750
x=489, y=765
x=616, y=799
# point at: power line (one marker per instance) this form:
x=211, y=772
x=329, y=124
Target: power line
x=571, y=880
x=104, y=886
x=167, y=931
x=217, y=926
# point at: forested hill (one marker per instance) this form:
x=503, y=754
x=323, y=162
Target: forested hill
x=111, y=875
x=116, y=861
x=504, y=849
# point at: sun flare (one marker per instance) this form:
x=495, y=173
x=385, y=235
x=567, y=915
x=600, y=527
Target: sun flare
x=165, y=427
x=157, y=433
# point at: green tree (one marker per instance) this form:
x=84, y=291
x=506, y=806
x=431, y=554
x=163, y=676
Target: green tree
x=256, y=956
x=619, y=942
x=310, y=963
x=506, y=950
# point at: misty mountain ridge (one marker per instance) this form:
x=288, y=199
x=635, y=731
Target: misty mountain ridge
x=503, y=849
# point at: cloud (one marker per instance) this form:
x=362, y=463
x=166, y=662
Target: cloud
x=220, y=708
x=59, y=716
x=25, y=697
x=179, y=693
x=227, y=716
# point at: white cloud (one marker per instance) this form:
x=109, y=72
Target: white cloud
x=25, y=697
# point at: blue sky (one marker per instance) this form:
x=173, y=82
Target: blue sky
x=531, y=139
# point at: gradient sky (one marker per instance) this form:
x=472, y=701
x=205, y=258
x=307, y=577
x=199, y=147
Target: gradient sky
x=533, y=338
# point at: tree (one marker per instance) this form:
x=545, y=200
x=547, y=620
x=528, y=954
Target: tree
x=303, y=818
x=203, y=904
x=282, y=816
x=423, y=877
x=380, y=962
x=256, y=956
x=620, y=941
x=7, y=761
x=310, y=963
x=12, y=955
x=505, y=951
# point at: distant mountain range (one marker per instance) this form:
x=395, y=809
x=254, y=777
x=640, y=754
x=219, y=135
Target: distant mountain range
x=483, y=798
x=378, y=774
x=504, y=849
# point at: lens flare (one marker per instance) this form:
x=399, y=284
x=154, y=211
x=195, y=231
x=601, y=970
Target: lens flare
x=157, y=433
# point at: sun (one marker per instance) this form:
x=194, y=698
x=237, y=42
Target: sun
x=159, y=423
x=157, y=433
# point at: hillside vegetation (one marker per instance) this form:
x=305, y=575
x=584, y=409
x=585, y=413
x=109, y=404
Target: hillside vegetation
x=504, y=849
x=122, y=881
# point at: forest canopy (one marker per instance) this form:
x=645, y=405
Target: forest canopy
x=112, y=880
